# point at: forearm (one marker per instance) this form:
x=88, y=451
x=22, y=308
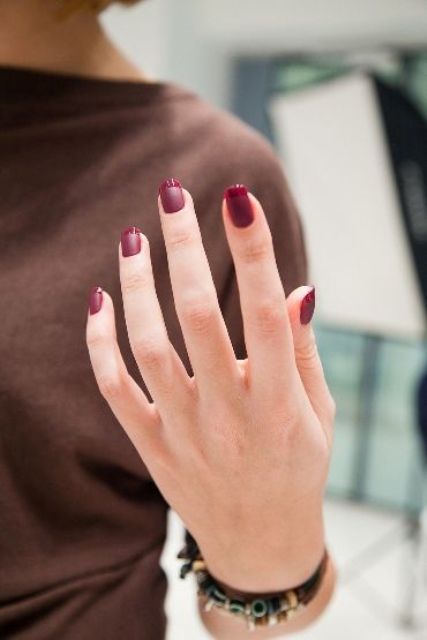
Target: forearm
x=227, y=627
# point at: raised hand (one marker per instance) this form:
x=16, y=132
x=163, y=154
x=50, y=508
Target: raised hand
x=241, y=449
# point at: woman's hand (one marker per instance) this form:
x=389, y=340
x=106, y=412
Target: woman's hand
x=241, y=449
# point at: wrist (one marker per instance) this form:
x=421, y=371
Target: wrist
x=256, y=609
x=268, y=565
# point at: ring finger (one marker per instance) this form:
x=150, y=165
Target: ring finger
x=266, y=323
x=160, y=366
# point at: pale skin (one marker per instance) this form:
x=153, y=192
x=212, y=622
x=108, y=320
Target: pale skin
x=240, y=449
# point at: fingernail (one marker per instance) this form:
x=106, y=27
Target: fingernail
x=239, y=205
x=131, y=241
x=95, y=300
x=307, y=306
x=171, y=195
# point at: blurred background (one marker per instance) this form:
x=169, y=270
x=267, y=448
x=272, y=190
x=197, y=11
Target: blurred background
x=340, y=89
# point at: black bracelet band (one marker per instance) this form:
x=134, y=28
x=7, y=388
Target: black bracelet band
x=265, y=610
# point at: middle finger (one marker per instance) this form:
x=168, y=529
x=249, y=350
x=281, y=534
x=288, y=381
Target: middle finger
x=205, y=334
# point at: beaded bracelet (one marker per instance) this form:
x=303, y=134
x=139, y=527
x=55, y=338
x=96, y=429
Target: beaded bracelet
x=257, y=611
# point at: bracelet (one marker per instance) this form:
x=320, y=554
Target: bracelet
x=257, y=611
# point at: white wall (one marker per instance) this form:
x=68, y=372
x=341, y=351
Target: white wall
x=192, y=41
x=282, y=25
x=143, y=32
x=165, y=39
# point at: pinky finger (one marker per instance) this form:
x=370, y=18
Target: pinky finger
x=126, y=399
x=300, y=305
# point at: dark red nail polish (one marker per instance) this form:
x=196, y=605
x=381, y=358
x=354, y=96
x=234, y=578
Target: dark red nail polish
x=171, y=195
x=95, y=300
x=307, y=306
x=131, y=241
x=239, y=205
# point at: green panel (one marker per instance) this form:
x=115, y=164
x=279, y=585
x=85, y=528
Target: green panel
x=393, y=464
x=393, y=475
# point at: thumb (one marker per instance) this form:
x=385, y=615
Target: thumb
x=301, y=304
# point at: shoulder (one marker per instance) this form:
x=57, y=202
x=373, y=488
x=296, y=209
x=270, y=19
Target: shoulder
x=229, y=151
x=225, y=141
x=210, y=149
x=223, y=150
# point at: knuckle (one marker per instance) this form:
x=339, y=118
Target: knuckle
x=149, y=353
x=199, y=315
x=255, y=251
x=270, y=316
x=287, y=415
x=290, y=419
x=291, y=434
x=306, y=353
x=110, y=386
x=289, y=424
x=134, y=281
x=98, y=340
x=182, y=238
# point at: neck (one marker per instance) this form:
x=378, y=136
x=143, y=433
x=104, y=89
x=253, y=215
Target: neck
x=32, y=36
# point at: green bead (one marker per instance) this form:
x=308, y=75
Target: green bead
x=218, y=595
x=237, y=606
x=259, y=608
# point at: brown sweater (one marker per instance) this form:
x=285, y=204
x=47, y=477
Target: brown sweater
x=82, y=525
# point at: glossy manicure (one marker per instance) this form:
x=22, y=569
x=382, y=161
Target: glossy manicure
x=307, y=306
x=131, y=241
x=239, y=205
x=95, y=300
x=171, y=195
